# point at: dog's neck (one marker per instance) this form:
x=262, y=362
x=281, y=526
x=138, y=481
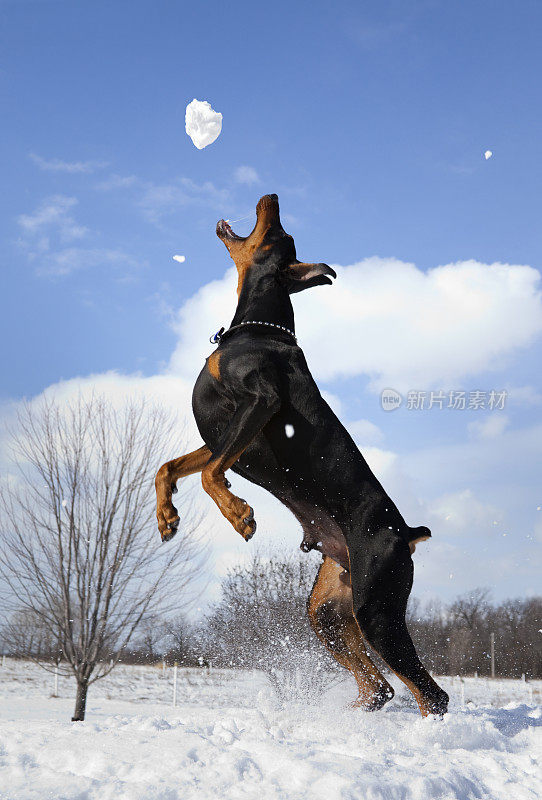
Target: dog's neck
x=263, y=298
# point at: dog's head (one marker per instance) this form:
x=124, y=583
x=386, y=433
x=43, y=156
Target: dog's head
x=269, y=245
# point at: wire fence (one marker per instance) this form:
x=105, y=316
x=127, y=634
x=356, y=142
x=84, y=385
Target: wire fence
x=173, y=685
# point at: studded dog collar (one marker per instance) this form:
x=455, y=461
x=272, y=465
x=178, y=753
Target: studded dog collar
x=217, y=337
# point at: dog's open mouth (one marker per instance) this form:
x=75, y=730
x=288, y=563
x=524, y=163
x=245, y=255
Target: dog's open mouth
x=267, y=214
x=224, y=231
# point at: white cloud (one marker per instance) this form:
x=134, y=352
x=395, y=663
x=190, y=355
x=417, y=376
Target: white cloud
x=402, y=327
x=524, y=396
x=489, y=428
x=457, y=490
x=461, y=513
x=47, y=231
x=159, y=200
x=166, y=390
x=72, y=259
x=117, y=182
x=52, y=217
x=382, y=462
x=210, y=308
x=410, y=329
x=246, y=175
x=363, y=431
x=72, y=167
x=333, y=401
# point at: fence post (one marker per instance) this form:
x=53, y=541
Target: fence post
x=462, y=693
x=163, y=668
x=492, y=645
x=174, y=684
x=56, y=680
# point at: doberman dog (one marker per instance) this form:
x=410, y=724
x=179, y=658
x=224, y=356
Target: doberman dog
x=261, y=414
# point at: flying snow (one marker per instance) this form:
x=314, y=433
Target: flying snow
x=289, y=430
x=203, y=124
x=180, y=259
x=487, y=154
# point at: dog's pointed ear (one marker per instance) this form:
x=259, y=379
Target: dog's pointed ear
x=303, y=276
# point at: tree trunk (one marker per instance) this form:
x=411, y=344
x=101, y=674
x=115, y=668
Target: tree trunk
x=80, y=701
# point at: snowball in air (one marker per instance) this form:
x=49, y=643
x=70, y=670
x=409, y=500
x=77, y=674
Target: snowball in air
x=203, y=125
x=289, y=431
x=64, y=503
x=488, y=154
x=180, y=259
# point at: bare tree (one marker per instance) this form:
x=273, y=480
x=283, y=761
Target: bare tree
x=261, y=621
x=152, y=633
x=470, y=609
x=455, y=639
x=79, y=552
x=26, y=633
x=180, y=640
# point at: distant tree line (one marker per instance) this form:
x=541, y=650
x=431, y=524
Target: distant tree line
x=260, y=622
x=454, y=638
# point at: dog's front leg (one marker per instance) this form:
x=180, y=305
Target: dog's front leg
x=247, y=421
x=165, y=483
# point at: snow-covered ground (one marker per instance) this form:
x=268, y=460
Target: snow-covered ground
x=229, y=737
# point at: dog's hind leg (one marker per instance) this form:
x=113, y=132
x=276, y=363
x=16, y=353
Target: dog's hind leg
x=381, y=571
x=332, y=619
x=165, y=483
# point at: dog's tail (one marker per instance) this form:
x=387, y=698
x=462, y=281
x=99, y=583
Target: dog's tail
x=415, y=535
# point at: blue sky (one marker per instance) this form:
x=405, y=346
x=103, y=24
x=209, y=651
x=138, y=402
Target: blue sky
x=370, y=121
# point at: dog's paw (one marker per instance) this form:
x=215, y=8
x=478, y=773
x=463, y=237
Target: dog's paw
x=168, y=521
x=241, y=516
x=375, y=701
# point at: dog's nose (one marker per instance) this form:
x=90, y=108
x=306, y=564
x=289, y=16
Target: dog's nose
x=268, y=199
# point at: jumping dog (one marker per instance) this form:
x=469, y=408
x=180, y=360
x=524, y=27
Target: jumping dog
x=260, y=413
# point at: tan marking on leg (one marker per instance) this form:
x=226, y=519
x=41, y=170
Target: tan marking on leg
x=213, y=364
x=424, y=703
x=343, y=637
x=237, y=511
x=414, y=542
x=166, y=478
